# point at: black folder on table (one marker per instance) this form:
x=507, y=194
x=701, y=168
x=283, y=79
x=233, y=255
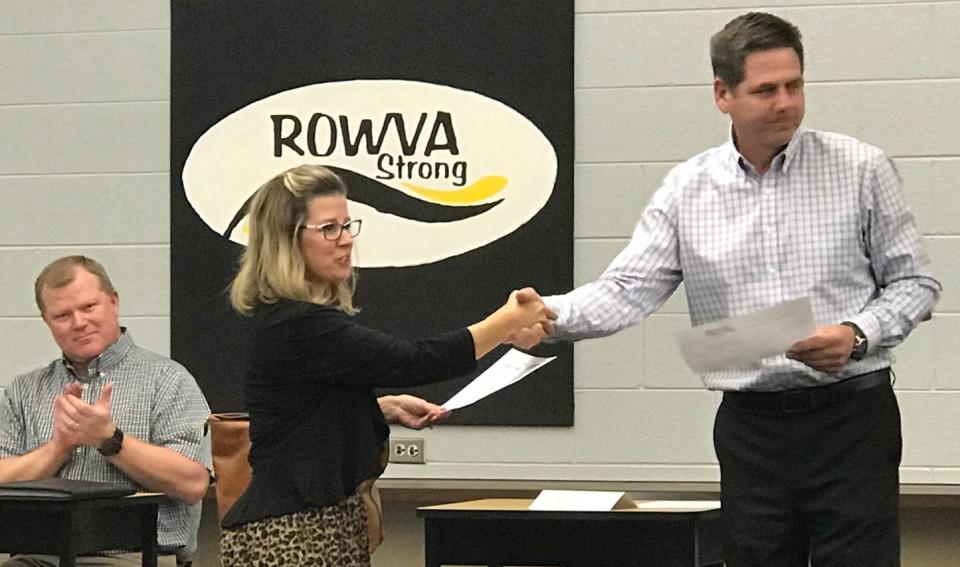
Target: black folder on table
x=62, y=489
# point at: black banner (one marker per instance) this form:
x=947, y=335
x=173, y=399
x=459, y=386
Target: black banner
x=452, y=124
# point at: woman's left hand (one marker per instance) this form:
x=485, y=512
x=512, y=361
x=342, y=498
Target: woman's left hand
x=410, y=411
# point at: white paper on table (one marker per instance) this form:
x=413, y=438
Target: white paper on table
x=510, y=369
x=679, y=505
x=747, y=338
x=581, y=501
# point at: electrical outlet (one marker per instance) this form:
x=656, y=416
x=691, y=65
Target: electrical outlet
x=406, y=451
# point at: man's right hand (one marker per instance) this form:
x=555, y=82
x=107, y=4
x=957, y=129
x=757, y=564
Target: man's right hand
x=46, y=460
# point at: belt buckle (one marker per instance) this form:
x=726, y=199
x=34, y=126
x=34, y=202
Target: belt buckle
x=796, y=401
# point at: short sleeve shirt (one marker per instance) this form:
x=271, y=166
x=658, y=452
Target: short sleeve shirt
x=154, y=399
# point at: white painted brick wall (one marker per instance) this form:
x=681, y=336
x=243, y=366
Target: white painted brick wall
x=84, y=167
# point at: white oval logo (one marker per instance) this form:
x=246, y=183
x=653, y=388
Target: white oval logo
x=433, y=171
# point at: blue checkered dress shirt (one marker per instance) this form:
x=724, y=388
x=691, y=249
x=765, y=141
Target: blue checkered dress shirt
x=828, y=221
x=154, y=399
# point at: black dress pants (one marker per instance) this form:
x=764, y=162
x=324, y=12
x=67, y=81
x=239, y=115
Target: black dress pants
x=811, y=483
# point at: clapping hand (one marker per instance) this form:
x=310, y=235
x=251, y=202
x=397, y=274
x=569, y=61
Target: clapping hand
x=76, y=422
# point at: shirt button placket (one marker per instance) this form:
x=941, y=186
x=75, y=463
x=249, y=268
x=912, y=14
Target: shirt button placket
x=768, y=211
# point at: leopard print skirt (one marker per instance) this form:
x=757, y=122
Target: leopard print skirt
x=331, y=536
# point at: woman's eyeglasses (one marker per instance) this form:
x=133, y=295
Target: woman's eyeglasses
x=334, y=230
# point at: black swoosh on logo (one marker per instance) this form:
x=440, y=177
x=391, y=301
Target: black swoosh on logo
x=386, y=199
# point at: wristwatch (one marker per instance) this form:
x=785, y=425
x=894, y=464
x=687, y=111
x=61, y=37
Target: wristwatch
x=112, y=445
x=859, y=341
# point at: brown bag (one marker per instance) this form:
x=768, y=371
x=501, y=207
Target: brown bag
x=371, y=501
x=230, y=444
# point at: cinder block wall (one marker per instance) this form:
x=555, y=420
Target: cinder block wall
x=84, y=167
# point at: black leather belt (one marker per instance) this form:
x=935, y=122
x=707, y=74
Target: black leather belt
x=806, y=399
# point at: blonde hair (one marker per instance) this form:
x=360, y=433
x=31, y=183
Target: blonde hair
x=61, y=273
x=272, y=267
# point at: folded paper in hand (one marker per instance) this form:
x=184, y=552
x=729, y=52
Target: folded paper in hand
x=62, y=489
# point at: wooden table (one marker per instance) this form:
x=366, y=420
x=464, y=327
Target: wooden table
x=69, y=528
x=499, y=532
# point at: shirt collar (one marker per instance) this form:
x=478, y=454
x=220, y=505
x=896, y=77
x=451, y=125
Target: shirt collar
x=107, y=360
x=782, y=160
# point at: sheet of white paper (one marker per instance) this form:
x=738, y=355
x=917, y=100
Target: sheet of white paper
x=576, y=500
x=746, y=338
x=510, y=369
x=679, y=505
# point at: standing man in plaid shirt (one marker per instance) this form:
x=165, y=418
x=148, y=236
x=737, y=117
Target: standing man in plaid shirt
x=808, y=442
x=107, y=410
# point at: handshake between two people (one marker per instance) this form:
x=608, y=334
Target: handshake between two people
x=530, y=320
x=522, y=321
x=529, y=336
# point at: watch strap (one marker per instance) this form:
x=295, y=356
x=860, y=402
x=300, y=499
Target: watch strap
x=860, y=340
x=112, y=445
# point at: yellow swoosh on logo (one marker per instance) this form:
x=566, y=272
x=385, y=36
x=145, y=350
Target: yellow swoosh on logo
x=482, y=189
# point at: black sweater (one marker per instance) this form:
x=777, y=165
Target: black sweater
x=315, y=425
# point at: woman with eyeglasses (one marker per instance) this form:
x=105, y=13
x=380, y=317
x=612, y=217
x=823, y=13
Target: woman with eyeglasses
x=318, y=434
